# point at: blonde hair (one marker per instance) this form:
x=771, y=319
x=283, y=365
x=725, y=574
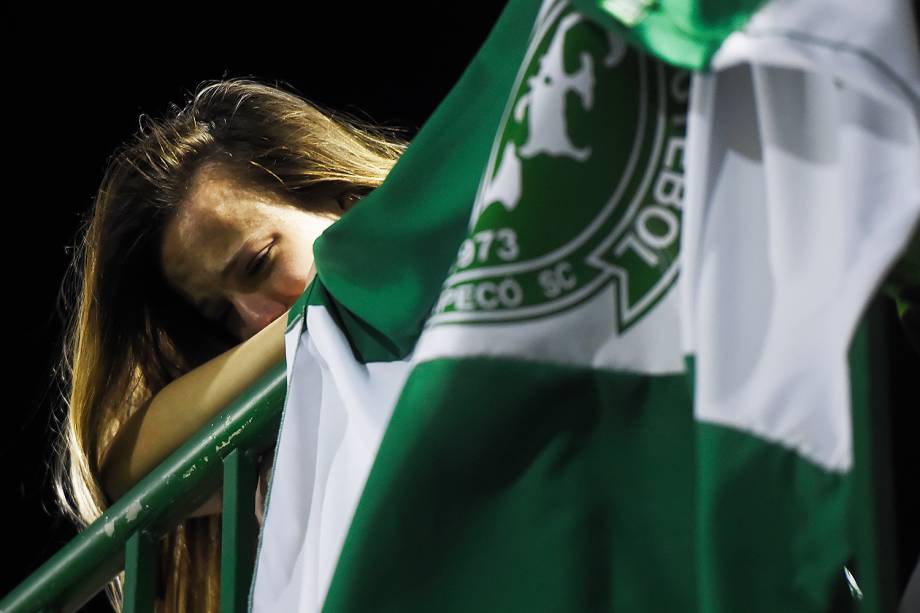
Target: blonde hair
x=128, y=334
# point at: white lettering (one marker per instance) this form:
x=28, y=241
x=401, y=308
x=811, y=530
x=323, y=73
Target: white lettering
x=466, y=254
x=648, y=237
x=510, y=293
x=443, y=300
x=484, y=295
x=509, y=248
x=557, y=279
x=680, y=86
x=487, y=302
x=669, y=188
x=484, y=240
x=464, y=293
x=630, y=242
x=675, y=146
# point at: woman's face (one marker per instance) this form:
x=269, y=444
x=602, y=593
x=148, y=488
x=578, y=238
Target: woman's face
x=241, y=255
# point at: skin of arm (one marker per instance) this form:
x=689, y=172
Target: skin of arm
x=184, y=406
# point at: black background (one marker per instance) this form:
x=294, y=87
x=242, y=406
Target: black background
x=74, y=92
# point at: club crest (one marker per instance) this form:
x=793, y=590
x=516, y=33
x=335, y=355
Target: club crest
x=583, y=187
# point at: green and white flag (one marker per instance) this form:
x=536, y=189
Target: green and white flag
x=586, y=349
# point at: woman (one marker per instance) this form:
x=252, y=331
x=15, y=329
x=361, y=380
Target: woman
x=199, y=242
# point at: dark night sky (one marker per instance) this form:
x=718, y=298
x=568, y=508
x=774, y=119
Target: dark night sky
x=73, y=94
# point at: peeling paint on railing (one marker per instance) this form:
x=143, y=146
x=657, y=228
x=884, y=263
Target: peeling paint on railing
x=169, y=493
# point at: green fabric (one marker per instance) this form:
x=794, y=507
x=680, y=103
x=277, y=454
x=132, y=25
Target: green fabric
x=539, y=488
x=771, y=528
x=684, y=33
x=384, y=261
x=510, y=485
x=545, y=488
x=426, y=220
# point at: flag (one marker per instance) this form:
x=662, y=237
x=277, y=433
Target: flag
x=588, y=347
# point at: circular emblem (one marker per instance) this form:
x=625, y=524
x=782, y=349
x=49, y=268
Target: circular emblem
x=583, y=187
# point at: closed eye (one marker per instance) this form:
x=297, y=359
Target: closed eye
x=258, y=262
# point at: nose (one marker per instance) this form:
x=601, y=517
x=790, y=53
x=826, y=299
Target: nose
x=256, y=311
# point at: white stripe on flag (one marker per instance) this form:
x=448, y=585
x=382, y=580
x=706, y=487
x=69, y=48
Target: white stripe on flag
x=801, y=191
x=335, y=413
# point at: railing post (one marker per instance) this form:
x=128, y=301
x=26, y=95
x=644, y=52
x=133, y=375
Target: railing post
x=140, y=573
x=238, y=531
x=163, y=498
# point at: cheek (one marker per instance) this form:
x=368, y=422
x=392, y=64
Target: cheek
x=292, y=271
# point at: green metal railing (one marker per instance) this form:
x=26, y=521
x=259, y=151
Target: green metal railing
x=226, y=449
x=126, y=536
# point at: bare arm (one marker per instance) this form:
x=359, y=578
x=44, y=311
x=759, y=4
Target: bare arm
x=184, y=406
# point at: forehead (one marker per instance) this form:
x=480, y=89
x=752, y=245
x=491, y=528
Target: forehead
x=210, y=223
